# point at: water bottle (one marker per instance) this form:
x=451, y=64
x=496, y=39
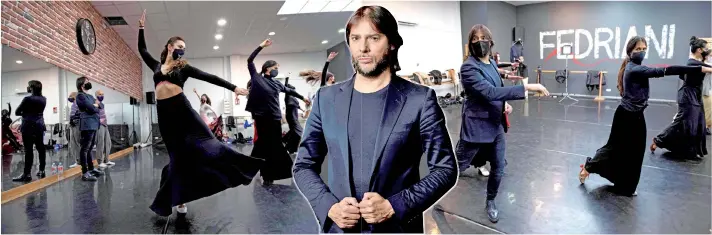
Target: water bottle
x=60, y=168
x=54, y=168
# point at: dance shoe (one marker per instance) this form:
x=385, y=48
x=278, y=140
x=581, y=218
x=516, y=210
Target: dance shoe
x=22, y=178
x=492, y=212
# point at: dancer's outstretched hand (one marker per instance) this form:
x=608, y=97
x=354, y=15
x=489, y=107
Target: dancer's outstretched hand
x=142, y=20
x=538, y=88
x=241, y=91
x=332, y=55
x=266, y=43
x=507, y=108
x=307, y=101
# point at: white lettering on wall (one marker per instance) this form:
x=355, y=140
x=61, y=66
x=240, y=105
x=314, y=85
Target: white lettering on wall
x=605, y=38
x=560, y=44
x=543, y=45
x=618, y=43
x=589, y=39
x=671, y=41
x=598, y=43
x=660, y=46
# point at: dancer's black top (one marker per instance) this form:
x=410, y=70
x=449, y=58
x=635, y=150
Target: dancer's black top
x=264, y=92
x=177, y=77
x=636, y=86
x=323, y=74
x=691, y=90
x=289, y=100
x=6, y=120
x=31, y=109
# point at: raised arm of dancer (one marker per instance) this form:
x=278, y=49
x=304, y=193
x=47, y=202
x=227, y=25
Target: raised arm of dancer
x=325, y=71
x=147, y=58
x=9, y=108
x=307, y=167
x=196, y=93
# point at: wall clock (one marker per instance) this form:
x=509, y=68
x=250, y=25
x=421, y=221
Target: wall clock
x=86, y=38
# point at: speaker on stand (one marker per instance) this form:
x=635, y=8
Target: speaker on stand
x=150, y=99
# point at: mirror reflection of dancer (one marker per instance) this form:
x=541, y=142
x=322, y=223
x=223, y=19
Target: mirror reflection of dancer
x=6, y=131
x=74, y=132
x=621, y=159
x=686, y=134
x=31, y=109
x=312, y=77
x=207, y=113
x=294, y=135
x=264, y=106
x=200, y=165
x=103, y=137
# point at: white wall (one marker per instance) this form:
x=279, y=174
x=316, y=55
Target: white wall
x=432, y=44
x=13, y=82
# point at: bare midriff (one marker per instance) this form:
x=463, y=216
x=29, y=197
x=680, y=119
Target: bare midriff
x=165, y=90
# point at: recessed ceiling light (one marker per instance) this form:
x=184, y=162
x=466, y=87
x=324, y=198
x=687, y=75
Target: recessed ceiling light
x=342, y=30
x=222, y=22
x=283, y=18
x=324, y=42
x=218, y=36
x=216, y=47
x=19, y=61
x=271, y=33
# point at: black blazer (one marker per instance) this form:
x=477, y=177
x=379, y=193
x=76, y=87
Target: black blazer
x=413, y=124
x=88, y=114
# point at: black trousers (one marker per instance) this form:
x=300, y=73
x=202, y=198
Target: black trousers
x=85, y=154
x=33, y=138
x=269, y=146
x=477, y=154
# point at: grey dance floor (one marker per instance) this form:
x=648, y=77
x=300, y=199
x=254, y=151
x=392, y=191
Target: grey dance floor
x=539, y=194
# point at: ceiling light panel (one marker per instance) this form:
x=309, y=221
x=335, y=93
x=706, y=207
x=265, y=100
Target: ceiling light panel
x=292, y=7
x=314, y=6
x=336, y=6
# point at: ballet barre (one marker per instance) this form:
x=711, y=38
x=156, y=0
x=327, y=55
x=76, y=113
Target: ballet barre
x=600, y=80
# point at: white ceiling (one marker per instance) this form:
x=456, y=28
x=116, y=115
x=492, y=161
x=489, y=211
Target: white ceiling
x=11, y=55
x=521, y=3
x=248, y=23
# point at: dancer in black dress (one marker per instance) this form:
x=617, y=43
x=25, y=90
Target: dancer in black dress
x=686, y=134
x=264, y=106
x=621, y=159
x=200, y=165
x=294, y=135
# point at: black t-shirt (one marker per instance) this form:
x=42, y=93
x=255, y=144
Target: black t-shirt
x=365, y=116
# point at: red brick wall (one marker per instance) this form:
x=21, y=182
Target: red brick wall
x=46, y=30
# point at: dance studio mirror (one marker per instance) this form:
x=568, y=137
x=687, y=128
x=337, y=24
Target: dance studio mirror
x=18, y=68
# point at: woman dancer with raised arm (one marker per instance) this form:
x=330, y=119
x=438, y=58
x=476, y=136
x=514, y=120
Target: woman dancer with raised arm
x=621, y=159
x=200, y=165
x=264, y=106
x=686, y=134
x=312, y=77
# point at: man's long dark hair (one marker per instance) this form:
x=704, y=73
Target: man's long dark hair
x=80, y=83
x=383, y=21
x=36, y=87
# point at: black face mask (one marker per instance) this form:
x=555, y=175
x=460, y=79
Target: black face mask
x=481, y=48
x=705, y=53
x=71, y=99
x=178, y=53
x=273, y=73
x=87, y=86
x=637, y=57
x=29, y=90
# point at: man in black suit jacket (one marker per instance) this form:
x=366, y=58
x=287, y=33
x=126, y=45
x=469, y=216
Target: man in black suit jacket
x=88, y=125
x=375, y=128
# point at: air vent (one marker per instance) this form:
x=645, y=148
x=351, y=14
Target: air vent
x=406, y=23
x=115, y=20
